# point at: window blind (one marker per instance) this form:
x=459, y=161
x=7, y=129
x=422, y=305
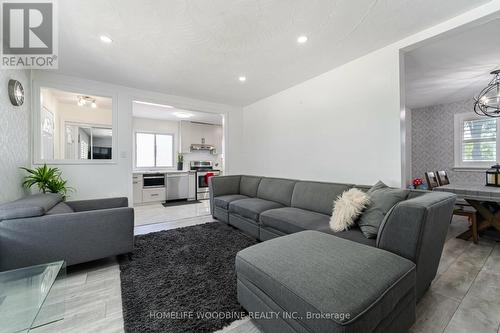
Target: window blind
x=479, y=140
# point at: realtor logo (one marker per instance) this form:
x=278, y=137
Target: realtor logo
x=29, y=34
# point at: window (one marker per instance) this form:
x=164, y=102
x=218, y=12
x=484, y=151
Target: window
x=154, y=150
x=475, y=141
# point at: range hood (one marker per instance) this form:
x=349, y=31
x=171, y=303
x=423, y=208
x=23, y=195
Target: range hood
x=196, y=147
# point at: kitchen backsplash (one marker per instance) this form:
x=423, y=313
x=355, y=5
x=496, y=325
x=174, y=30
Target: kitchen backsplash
x=203, y=156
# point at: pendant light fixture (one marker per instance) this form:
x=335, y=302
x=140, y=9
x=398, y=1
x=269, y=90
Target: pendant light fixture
x=487, y=103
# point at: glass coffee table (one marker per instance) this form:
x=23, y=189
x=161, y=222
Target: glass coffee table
x=32, y=297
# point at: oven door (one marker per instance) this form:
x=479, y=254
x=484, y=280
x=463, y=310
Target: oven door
x=202, y=183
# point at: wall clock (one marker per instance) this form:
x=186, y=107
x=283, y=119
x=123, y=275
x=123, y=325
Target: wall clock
x=16, y=93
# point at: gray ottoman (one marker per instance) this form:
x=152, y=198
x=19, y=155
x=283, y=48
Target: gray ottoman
x=315, y=282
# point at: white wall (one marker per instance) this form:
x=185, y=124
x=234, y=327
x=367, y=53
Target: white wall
x=340, y=126
x=115, y=179
x=14, y=136
x=344, y=125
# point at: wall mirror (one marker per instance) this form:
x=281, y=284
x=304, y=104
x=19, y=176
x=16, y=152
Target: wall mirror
x=75, y=126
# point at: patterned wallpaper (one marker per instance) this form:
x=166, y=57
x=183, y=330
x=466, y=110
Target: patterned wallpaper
x=14, y=136
x=432, y=141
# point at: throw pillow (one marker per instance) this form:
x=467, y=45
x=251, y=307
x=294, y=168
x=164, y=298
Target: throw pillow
x=382, y=199
x=347, y=208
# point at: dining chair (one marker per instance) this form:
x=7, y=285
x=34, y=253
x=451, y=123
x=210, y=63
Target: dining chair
x=431, y=179
x=462, y=207
x=442, y=177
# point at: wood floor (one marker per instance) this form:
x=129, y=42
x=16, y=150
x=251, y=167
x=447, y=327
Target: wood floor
x=464, y=297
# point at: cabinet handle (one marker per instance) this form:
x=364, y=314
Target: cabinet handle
x=154, y=194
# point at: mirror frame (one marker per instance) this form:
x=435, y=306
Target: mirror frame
x=37, y=129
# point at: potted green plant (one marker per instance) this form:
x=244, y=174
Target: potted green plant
x=46, y=179
x=180, y=161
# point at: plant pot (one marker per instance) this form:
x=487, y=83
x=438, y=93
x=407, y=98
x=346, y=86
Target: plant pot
x=180, y=166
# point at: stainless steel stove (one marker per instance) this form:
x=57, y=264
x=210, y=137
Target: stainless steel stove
x=204, y=170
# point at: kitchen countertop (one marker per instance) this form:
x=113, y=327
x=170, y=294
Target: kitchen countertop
x=141, y=172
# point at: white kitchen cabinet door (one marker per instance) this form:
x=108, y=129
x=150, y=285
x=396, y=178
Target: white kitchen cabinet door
x=186, y=136
x=199, y=133
x=218, y=139
x=137, y=189
x=192, y=186
x=154, y=195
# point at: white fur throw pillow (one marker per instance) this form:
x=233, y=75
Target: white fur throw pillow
x=347, y=208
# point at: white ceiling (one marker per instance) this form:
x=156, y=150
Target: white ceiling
x=140, y=110
x=198, y=48
x=453, y=68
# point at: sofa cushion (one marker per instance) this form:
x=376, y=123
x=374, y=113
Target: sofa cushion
x=289, y=219
x=60, y=208
x=277, y=190
x=30, y=206
x=317, y=197
x=382, y=199
x=252, y=207
x=224, y=200
x=249, y=185
x=353, y=234
x=335, y=276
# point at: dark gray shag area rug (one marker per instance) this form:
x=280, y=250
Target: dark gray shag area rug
x=176, y=277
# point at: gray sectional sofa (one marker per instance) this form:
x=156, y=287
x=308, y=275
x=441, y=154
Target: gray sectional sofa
x=42, y=228
x=303, y=265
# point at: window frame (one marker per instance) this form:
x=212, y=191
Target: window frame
x=459, y=163
x=73, y=87
x=155, y=167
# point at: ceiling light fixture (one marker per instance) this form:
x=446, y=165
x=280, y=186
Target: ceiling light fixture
x=183, y=115
x=154, y=104
x=487, y=103
x=105, y=39
x=86, y=100
x=302, y=39
x=242, y=78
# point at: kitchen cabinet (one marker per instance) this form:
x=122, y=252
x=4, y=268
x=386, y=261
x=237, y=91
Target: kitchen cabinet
x=218, y=133
x=192, y=186
x=185, y=137
x=198, y=133
x=154, y=195
x=137, y=188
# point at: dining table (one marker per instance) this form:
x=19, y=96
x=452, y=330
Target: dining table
x=486, y=201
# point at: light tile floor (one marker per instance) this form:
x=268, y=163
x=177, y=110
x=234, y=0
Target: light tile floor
x=464, y=297
x=156, y=213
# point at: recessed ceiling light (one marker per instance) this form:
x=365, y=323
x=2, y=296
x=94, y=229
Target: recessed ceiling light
x=302, y=39
x=154, y=104
x=242, y=78
x=183, y=115
x=106, y=39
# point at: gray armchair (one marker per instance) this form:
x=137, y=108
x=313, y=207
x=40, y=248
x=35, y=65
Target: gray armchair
x=42, y=228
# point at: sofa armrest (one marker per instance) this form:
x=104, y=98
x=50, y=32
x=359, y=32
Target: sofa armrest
x=97, y=204
x=416, y=230
x=223, y=185
x=73, y=237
